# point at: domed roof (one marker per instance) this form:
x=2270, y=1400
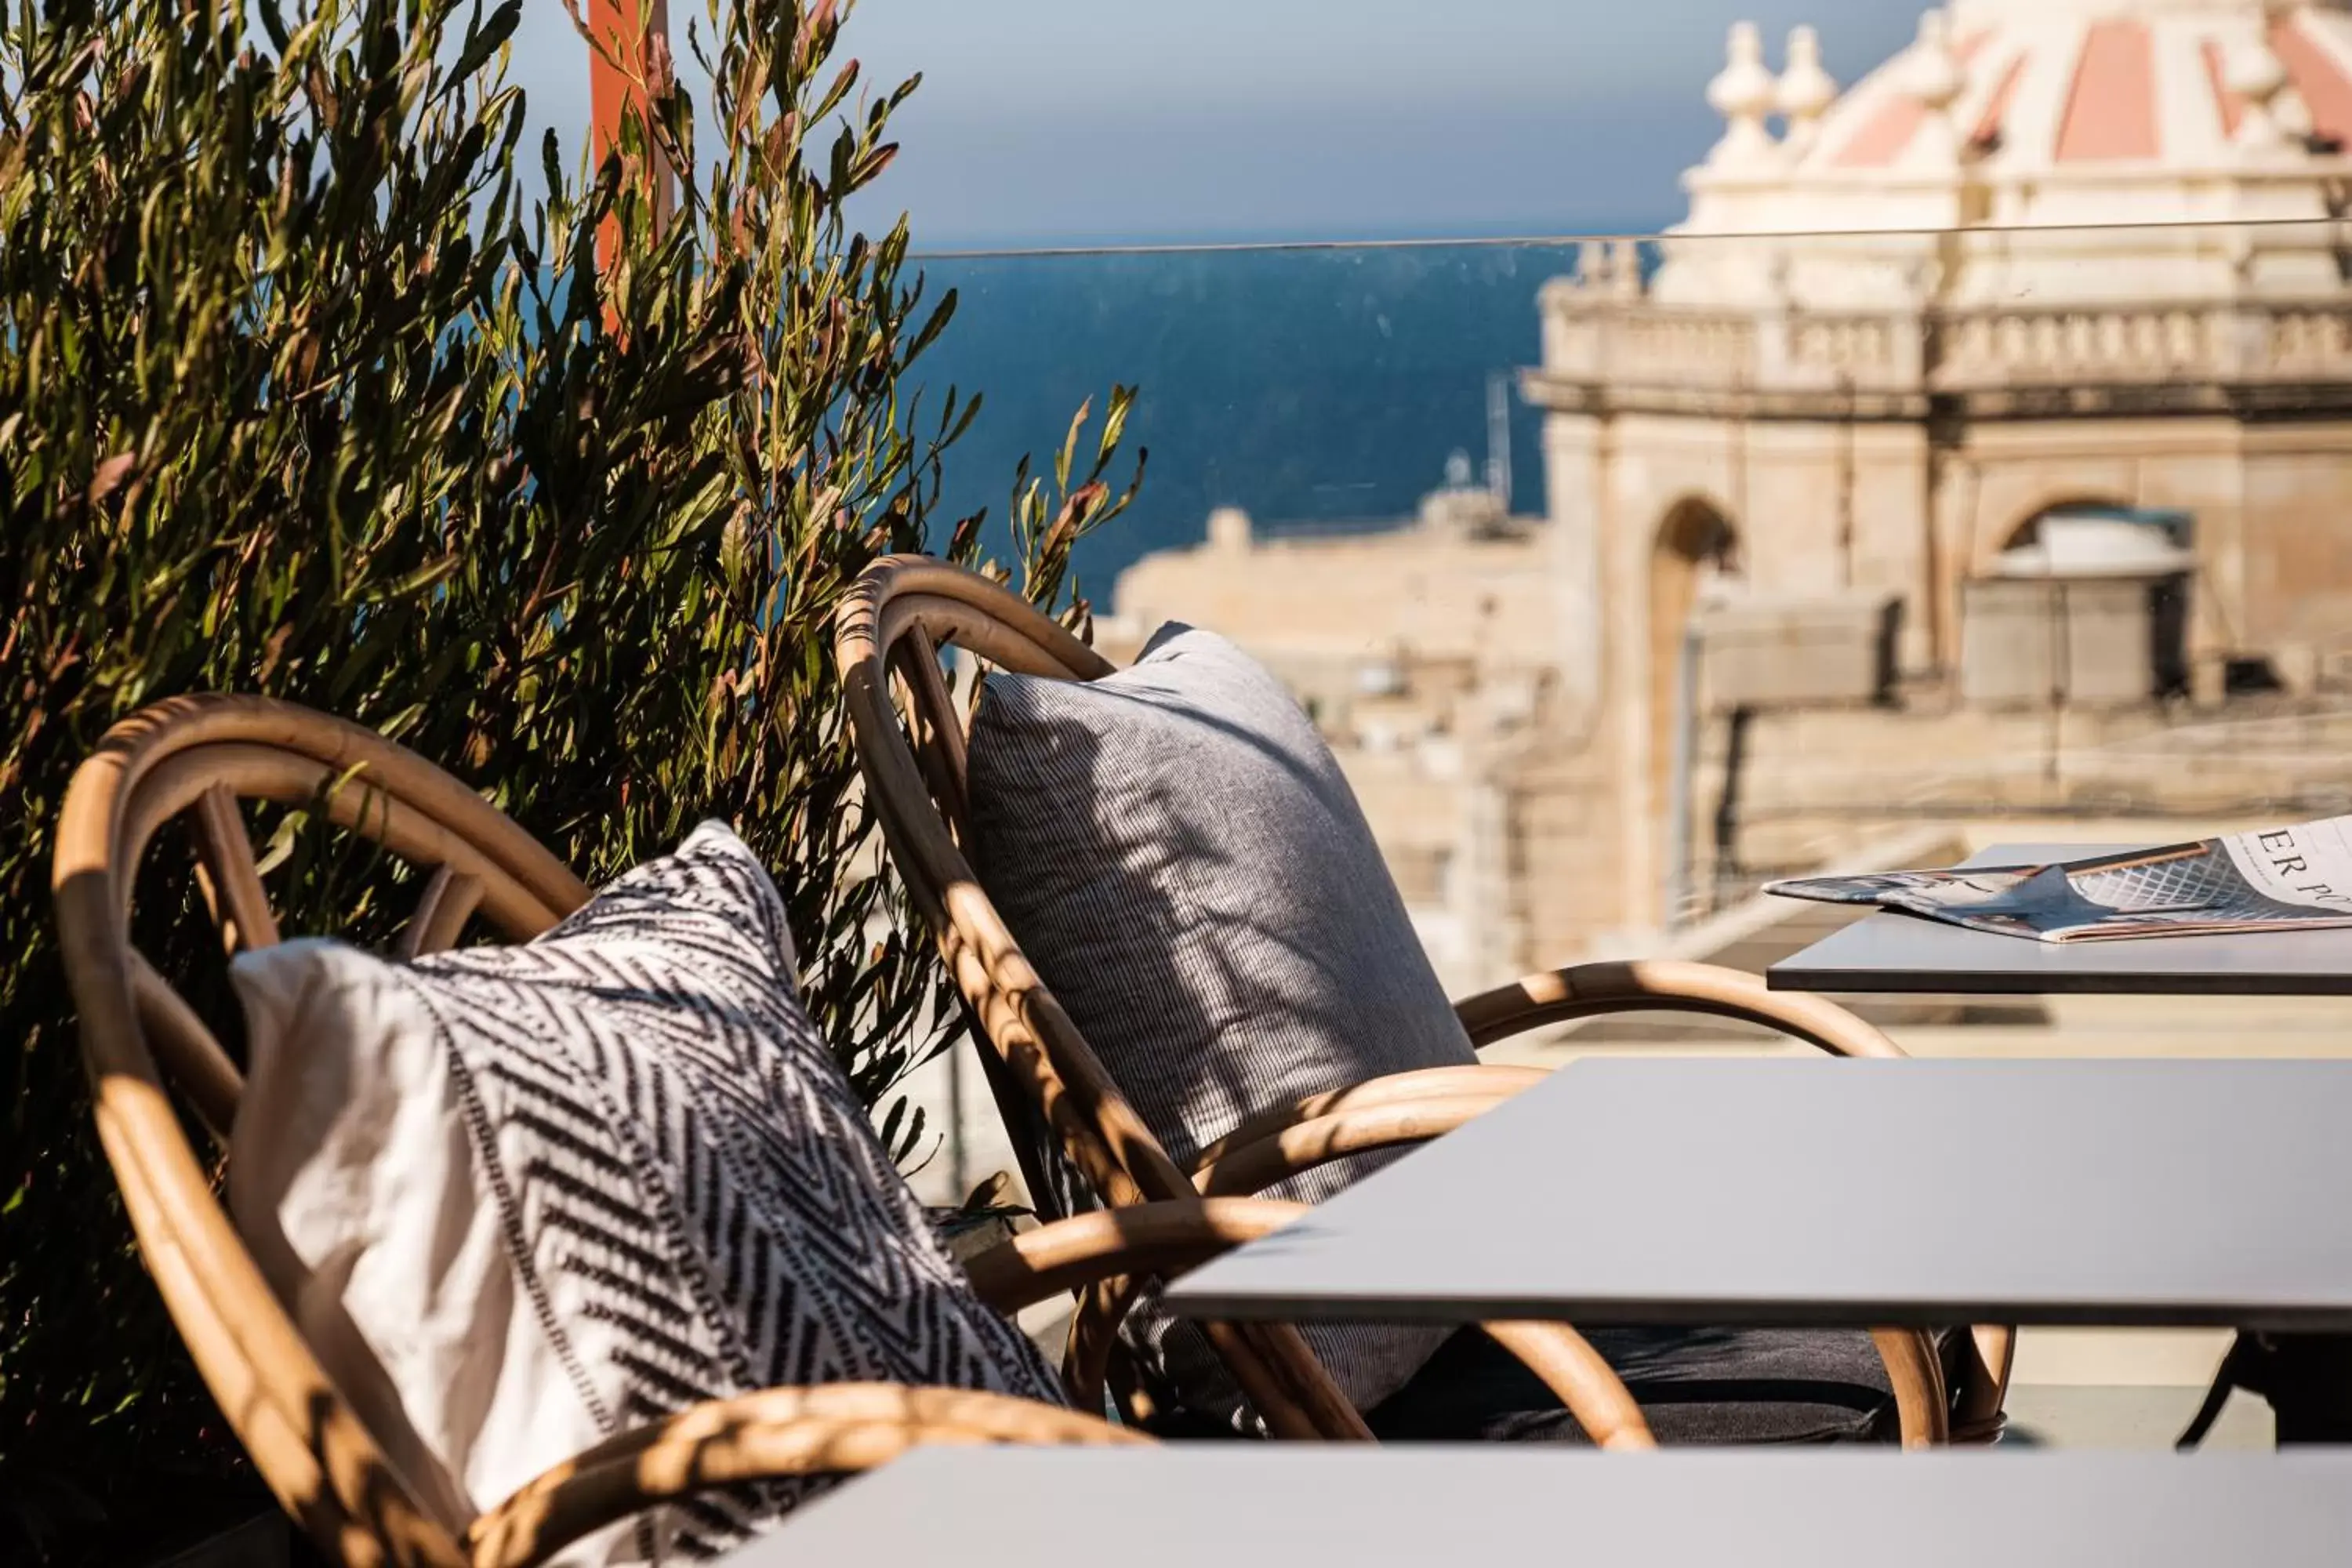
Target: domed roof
x=2038, y=113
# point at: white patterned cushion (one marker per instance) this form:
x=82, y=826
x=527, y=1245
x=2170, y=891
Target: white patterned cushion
x=1178, y=855
x=524, y=1198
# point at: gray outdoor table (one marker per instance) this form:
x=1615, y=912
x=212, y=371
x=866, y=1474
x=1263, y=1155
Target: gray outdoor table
x=1825, y=1191
x=1865, y=1192
x=1889, y=952
x=1278, y=1506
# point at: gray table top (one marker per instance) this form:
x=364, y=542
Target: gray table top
x=1265, y=1506
x=1899, y=952
x=1822, y=1191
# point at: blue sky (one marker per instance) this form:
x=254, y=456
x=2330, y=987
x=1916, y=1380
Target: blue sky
x=1045, y=121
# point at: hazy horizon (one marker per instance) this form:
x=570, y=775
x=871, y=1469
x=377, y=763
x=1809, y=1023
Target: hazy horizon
x=1056, y=123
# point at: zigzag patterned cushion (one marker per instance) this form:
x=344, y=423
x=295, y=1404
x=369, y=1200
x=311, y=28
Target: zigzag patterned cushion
x=524, y=1198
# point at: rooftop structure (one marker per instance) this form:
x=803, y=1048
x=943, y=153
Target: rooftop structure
x=2044, y=323
x=2014, y=114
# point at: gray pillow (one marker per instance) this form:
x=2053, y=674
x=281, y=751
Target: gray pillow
x=1178, y=855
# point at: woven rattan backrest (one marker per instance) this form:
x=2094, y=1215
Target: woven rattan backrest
x=901, y=612
x=898, y=615
x=198, y=758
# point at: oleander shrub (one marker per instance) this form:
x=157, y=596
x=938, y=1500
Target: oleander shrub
x=313, y=383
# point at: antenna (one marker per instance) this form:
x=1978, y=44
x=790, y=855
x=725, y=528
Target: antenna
x=1499, y=438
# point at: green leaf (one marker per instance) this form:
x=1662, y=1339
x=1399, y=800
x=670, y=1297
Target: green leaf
x=1070, y=444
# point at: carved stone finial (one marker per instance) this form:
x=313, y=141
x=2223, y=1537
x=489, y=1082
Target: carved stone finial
x=1805, y=90
x=1625, y=271
x=1742, y=93
x=1932, y=76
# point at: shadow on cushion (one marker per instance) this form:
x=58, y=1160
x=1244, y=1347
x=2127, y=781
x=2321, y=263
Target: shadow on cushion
x=1695, y=1386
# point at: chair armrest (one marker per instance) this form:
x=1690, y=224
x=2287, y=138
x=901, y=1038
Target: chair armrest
x=1110, y=1254
x=1666, y=986
x=1142, y=1238
x=830, y=1429
x=1403, y=1107
x=1402, y=1101
x=1107, y=1255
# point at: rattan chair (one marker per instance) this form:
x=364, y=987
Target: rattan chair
x=196, y=759
x=1053, y=1090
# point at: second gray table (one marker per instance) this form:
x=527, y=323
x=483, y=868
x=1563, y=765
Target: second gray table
x=1899, y=952
x=1832, y=1192
x=1284, y=1506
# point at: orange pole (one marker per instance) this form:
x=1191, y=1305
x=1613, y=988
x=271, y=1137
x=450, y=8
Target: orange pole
x=619, y=63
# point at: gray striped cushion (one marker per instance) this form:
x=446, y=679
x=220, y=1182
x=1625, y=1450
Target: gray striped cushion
x=1178, y=855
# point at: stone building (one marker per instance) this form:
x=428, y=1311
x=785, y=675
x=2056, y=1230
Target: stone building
x=1981, y=439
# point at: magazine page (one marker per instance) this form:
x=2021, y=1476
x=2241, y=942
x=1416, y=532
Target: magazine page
x=2281, y=879
x=2308, y=865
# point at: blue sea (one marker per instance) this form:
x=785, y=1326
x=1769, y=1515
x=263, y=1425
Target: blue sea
x=1314, y=387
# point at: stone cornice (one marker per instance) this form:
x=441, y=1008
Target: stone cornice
x=2264, y=401
x=2258, y=358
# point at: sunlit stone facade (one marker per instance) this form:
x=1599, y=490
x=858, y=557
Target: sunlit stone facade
x=2057, y=254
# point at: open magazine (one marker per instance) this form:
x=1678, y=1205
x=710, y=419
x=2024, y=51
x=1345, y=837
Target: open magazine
x=2284, y=879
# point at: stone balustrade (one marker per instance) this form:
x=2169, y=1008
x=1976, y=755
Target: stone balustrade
x=1625, y=344
x=1713, y=348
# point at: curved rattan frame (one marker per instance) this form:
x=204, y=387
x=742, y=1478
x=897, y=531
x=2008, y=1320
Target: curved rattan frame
x=196, y=758
x=887, y=635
